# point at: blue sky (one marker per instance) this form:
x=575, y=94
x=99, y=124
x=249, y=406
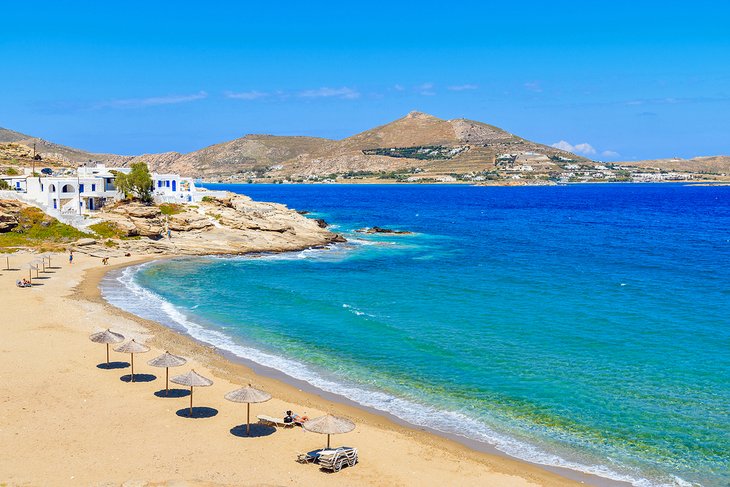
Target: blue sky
x=620, y=80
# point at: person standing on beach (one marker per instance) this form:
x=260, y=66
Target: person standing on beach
x=70, y=256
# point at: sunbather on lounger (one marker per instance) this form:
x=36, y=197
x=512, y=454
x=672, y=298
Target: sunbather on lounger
x=295, y=418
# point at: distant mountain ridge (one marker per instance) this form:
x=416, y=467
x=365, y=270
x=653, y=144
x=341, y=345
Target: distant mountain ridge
x=414, y=147
x=285, y=155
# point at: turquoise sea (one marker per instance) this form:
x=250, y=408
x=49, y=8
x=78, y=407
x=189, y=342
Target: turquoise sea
x=583, y=326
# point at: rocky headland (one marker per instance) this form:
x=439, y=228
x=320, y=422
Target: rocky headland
x=235, y=224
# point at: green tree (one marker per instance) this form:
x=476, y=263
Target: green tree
x=137, y=184
x=4, y=184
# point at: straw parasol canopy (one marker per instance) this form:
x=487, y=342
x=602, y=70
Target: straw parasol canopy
x=32, y=267
x=248, y=395
x=329, y=425
x=41, y=263
x=107, y=336
x=192, y=379
x=132, y=347
x=167, y=360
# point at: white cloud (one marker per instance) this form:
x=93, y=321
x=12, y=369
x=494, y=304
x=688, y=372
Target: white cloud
x=398, y=87
x=246, y=95
x=325, y=92
x=426, y=89
x=585, y=148
x=152, y=101
x=465, y=87
x=610, y=154
x=533, y=86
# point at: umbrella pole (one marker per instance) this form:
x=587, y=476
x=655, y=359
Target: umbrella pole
x=248, y=419
x=167, y=381
x=107, y=354
x=132, y=366
x=191, y=401
x=328, y=442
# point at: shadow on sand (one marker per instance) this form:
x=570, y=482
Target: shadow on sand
x=113, y=365
x=172, y=393
x=138, y=378
x=257, y=430
x=198, y=412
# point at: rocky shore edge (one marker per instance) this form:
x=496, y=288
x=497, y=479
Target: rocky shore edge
x=235, y=224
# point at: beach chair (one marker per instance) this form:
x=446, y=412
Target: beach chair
x=309, y=457
x=276, y=422
x=334, y=460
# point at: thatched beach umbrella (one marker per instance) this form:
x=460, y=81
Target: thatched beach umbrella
x=32, y=267
x=248, y=395
x=107, y=336
x=329, y=425
x=167, y=360
x=132, y=347
x=192, y=379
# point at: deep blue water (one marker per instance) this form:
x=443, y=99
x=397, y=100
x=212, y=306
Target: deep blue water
x=586, y=326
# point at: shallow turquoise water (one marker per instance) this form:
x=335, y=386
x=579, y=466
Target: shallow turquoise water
x=584, y=326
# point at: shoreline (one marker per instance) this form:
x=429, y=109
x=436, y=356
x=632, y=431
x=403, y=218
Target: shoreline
x=293, y=390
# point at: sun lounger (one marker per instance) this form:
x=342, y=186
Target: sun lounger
x=334, y=460
x=276, y=422
x=310, y=457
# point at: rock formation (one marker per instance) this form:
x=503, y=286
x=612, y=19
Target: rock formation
x=9, y=215
x=231, y=225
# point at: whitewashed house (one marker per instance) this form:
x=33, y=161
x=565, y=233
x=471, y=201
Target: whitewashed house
x=88, y=190
x=91, y=188
x=16, y=183
x=172, y=188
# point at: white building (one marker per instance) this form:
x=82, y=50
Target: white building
x=171, y=188
x=91, y=188
x=16, y=183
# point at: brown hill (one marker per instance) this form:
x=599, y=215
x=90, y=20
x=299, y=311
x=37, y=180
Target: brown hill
x=436, y=146
x=706, y=164
x=418, y=146
x=50, y=151
x=417, y=140
x=250, y=154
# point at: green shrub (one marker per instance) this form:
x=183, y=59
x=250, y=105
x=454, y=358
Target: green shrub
x=106, y=230
x=138, y=183
x=35, y=228
x=171, y=208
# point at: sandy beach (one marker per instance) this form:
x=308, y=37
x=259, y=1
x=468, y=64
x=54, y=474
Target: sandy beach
x=68, y=422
